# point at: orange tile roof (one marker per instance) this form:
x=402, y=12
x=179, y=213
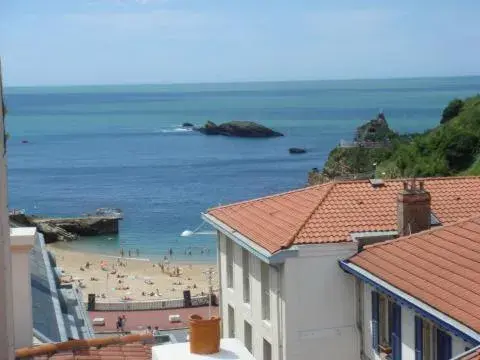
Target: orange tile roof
x=330, y=212
x=129, y=347
x=440, y=267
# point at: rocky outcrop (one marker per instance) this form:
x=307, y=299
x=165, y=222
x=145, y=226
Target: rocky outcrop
x=295, y=150
x=67, y=229
x=375, y=130
x=248, y=129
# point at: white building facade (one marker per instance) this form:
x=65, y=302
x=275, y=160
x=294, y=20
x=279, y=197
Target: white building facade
x=403, y=328
x=261, y=295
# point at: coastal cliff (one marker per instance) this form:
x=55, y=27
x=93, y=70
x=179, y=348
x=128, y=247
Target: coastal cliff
x=451, y=148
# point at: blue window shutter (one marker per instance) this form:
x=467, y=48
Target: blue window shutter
x=375, y=328
x=444, y=345
x=396, y=332
x=418, y=338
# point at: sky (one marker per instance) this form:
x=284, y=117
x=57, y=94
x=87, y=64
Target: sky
x=80, y=42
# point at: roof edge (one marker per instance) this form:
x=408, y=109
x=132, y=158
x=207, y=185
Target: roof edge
x=468, y=353
x=446, y=321
x=263, y=254
x=268, y=196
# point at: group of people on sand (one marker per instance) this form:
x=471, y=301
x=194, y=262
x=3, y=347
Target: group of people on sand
x=135, y=252
x=188, y=251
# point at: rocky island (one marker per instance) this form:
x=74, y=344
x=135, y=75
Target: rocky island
x=248, y=129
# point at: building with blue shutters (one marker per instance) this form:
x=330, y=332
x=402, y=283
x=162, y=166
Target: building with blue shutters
x=418, y=296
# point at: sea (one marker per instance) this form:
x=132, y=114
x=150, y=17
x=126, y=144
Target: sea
x=74, y=149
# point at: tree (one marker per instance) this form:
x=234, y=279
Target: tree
x=452, y=110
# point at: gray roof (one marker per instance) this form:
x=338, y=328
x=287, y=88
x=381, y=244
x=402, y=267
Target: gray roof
x=45, y=302
x=58, y=310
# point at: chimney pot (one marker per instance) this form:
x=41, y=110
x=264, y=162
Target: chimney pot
x=413, y=209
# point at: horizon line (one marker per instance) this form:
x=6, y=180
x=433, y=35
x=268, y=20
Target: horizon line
x=241, y=82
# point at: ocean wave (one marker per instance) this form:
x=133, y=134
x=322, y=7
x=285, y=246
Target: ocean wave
x=174, y=130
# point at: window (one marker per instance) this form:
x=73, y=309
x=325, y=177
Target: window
x=267, y=350
x=229, y=263
x=231, y=322
x=265, y=276
x=386, y=326
x=248, y=336
x=246, y=275
x=431, y=343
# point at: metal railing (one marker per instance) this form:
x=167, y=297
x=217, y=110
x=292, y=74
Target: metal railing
x=148, y=304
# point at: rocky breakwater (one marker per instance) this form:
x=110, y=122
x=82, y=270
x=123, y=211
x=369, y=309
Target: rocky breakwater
x=67, y=229
x=248, y=129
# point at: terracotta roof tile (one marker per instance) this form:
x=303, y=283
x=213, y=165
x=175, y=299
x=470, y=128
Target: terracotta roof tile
x=330, y=212
x=130, y=347
x=440, y=267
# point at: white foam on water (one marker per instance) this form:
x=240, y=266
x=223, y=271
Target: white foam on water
x=174, y=130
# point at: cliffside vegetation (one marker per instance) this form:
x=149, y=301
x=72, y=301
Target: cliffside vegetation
x=451, y=148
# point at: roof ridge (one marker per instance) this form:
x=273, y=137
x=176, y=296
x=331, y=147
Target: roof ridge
x=269, y=196
x=359, y=181
x=424, y=232
x=292, y=239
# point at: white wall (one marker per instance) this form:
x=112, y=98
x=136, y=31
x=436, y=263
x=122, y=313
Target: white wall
x=250, y=312
x=320, y=304
x=6, y=299
x=22, y=241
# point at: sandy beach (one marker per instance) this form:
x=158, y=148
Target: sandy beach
x=116, y=278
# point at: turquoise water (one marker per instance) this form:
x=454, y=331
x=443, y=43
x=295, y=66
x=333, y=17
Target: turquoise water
x=121, y=146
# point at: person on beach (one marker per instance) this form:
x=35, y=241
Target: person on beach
x=119, y=324
x=138, y=252
x=170, y=251
x=121, y=252
x=124, y=321
x=129, y=253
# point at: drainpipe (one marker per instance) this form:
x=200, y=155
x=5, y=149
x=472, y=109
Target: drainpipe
x=358, y=313
x=279, y=311
x=219, y=265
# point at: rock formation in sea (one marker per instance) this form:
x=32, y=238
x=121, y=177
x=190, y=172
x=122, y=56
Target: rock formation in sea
x=238, y=128
x=295, y=150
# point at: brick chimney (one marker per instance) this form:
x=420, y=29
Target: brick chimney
x=413, y=208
